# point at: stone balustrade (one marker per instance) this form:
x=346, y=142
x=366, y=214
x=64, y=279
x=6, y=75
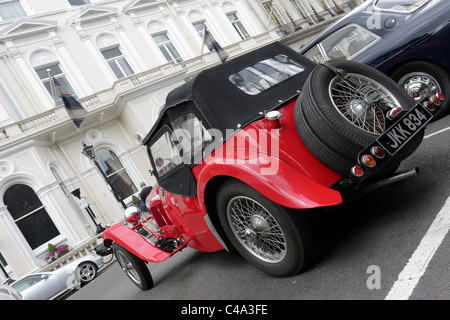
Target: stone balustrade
x=81, y=250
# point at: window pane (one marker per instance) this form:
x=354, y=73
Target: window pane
x=57, y=73
x=37, y=228
x=125, y=66
x=161, y=38
x=174, y=52
x=21, y=200
x=115, y=68
x=108, y=161
x=11, y=10
x=122, y=184
x=29, y=215
x=111, y=53
x=238, y=26
x=265, y=74
x=78, y=2
x=166, y=54
x=164, y=154
x=118, y=178
x=27, y=282
x=55, y=70
x=400, y=5
x=117, y=62
x=347, y=42
x=192, y=136
x=315, y=55
x=167, y=48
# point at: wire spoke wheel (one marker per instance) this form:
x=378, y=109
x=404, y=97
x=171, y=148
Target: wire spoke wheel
x=128, y=267
x=256, y=229
x=336, y=117
x=134, y=267
x=269, y=236
x=357, y=106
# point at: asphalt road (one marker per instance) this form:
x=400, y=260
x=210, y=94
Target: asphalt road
x=367, y=247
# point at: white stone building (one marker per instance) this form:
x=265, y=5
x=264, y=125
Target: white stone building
x=119, y=59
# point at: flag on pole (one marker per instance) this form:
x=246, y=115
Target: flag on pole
x=75, y=110
x=211, y=43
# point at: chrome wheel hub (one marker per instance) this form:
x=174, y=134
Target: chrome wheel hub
x=419, y=85
x=256, y=229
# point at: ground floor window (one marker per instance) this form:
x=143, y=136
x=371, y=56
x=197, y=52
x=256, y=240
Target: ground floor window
x=30, y=215
x=118, y=178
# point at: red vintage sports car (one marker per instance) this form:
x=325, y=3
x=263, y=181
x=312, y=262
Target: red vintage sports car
x=243, y=149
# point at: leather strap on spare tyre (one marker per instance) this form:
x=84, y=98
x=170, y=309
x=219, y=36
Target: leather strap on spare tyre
x=341, y=73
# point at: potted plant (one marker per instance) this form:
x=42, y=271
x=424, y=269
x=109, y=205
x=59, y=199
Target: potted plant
x=55, y=252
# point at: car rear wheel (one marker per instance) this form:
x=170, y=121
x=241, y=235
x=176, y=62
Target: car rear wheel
x=87, y=271
x=336, y=120
x=264, y=233
x=421, y=79
x=134, y=267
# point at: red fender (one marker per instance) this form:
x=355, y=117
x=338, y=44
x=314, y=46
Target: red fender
x=281, y=183
x=135, y=243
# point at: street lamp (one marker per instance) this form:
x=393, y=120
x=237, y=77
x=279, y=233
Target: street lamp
x=83, y=203
x=89, y=152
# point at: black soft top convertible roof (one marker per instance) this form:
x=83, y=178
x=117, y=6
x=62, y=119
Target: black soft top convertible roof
x=222, y=104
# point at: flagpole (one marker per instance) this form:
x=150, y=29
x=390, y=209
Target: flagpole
x=203, y=38
x=270, y=16
x=52, y=85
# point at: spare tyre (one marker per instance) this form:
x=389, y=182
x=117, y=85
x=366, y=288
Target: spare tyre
x=336, y=118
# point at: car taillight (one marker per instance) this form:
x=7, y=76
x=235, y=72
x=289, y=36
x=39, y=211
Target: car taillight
x=377, y=152
x=368, y=160
x=435, y=100
x=440, y=96
x=394, y=112
x=357, y=171
x=429, y=105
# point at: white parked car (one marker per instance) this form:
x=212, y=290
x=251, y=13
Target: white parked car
x=50, y=285
x=8, y=293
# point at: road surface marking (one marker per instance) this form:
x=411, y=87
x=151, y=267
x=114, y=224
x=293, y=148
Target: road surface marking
x=418, y=263
x=437, y=132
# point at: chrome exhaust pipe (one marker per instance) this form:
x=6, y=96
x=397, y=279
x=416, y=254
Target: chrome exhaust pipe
x=393, y=179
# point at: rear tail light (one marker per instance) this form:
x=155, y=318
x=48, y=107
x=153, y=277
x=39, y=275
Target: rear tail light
x=394, y=112
x=377, y=152
x=357, y=171
x=429, y=105
x=440, y=96
x=368, y=161
x=435, y=100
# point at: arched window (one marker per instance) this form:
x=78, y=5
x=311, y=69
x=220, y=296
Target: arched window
x=29, y=215
x=118, y=178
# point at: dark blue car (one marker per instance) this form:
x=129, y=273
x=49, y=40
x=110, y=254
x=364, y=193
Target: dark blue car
x=409, y=40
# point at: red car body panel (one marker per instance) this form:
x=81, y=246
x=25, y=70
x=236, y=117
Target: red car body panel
x=306, y=181
x=135, y=243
